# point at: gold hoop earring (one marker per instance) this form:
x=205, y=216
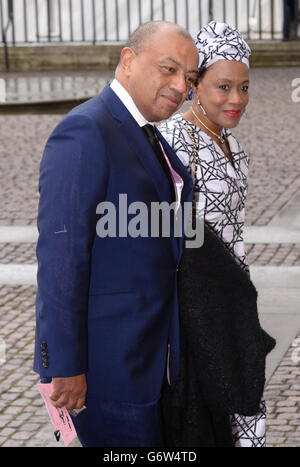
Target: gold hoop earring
x=201, y=107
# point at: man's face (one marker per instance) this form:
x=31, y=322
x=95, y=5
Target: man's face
x=160, y=76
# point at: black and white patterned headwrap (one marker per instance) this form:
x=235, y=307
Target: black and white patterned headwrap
x=218, y=41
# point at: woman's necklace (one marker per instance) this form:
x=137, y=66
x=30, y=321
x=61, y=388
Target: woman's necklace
x=221, y=140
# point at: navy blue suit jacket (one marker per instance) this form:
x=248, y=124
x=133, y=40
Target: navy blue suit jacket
x=106, y=307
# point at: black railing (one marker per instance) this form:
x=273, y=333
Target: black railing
x=98, y=21
x=5, y=28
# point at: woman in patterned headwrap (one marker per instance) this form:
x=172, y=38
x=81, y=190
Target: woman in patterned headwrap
x=216, y=376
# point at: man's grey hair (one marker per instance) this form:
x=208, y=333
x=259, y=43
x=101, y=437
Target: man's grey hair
x=140, y=37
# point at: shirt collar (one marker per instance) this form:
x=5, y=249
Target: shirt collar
x=127, y=100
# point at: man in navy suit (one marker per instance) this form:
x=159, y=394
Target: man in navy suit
x=107, y=330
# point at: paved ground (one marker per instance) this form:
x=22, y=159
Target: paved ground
x=269, y=135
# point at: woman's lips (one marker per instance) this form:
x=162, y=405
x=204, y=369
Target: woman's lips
x=233, y=113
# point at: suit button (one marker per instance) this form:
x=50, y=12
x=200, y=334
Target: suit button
x=45, y=364
x=44, y=345
x=44, y=353
x=45, y=360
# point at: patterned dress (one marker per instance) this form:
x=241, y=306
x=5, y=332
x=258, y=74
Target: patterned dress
x=220, y=190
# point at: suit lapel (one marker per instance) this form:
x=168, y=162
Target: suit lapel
x=138, y=143
x=141, y=146
x=188, y=188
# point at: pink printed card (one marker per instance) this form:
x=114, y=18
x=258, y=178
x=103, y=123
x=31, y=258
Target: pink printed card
x=60, y=418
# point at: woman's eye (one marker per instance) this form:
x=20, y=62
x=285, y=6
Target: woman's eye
x=245, y=88
x=224, y=87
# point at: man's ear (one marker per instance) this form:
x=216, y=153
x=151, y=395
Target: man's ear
x=127, y=58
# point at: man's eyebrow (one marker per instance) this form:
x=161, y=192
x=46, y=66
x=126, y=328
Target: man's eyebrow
x=170, y=59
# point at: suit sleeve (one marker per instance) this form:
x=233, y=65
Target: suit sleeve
x=73, y=180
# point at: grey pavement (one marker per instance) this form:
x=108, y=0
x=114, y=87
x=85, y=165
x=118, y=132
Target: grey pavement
x=272, y=242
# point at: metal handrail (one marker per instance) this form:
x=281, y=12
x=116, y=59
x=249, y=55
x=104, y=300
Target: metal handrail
x=110, y=21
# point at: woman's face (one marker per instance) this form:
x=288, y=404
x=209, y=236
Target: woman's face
x=223, y=93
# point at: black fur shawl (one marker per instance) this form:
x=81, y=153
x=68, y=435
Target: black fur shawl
x=223, y=348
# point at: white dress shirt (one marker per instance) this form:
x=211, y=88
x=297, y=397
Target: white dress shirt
x=127, y=100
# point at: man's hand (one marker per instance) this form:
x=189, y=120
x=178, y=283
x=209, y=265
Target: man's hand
x=69, y=392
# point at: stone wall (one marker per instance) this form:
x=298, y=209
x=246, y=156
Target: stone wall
x=62, y=58
x=105, y=57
